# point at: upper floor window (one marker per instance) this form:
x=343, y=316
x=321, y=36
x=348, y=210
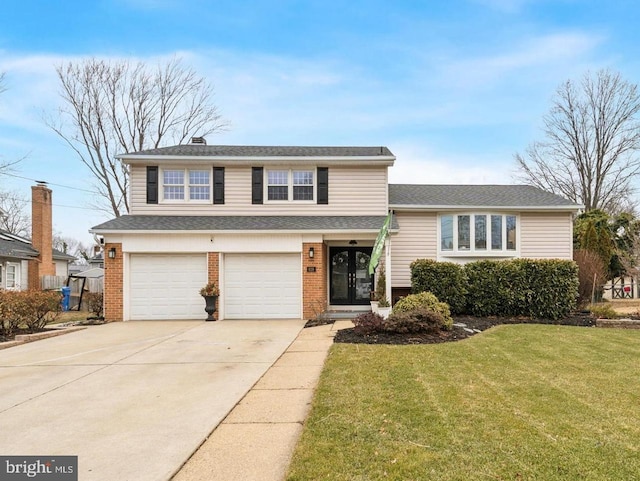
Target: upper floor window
x=290, y=185
x=478, y=233
x=197, y=186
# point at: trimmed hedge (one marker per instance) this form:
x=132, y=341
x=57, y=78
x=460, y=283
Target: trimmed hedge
x=446, y=280
x=540, y=289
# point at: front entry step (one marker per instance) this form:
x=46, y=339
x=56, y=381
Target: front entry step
x=343, y=314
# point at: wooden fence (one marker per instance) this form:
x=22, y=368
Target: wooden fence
x=92, y=284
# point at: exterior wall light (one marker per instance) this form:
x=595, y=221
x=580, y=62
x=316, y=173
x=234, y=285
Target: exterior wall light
x=112, y=253
x=312, y=252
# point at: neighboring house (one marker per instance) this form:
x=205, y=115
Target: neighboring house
x=287, y=232
x=24, y=261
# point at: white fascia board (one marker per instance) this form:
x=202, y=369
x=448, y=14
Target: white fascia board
x=455, y=208
x=248, y=160
x=240, y=232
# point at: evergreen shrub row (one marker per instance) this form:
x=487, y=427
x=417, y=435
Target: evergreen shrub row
x=540, y=289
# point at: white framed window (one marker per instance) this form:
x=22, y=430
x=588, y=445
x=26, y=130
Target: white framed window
x=483, y=234
x=12, y=276
x=186, y=185
x=291, y=185
x=278, y=185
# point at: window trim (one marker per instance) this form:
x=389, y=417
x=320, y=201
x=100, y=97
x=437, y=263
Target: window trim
x=16, y=275
x=472, y=251
x=290, y=171
x=186, y=184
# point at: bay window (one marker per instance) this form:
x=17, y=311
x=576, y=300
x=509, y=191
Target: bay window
x=480, y=234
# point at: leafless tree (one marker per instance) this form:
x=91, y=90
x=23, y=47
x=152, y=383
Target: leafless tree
x=71, y=246
x=592, y=137
x=111, y=108
x=6, y=165
x=13, y=216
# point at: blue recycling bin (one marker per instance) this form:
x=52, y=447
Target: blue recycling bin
x=66, y=295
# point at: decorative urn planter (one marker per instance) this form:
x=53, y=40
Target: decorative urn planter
x=210, y=293
x=210, y=306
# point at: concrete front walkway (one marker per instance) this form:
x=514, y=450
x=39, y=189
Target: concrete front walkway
x=133, y=400
x=256, y=440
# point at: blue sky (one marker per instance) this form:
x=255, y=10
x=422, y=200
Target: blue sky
x=453, y=88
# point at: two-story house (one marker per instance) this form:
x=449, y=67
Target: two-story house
x=287, y=232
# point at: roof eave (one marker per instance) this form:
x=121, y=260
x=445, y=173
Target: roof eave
x=440, y=208
x=238, y=231
x=137, y=159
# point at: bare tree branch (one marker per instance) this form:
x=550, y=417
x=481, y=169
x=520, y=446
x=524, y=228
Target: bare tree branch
x=113, y=108
x=13, y=214
x=592, y=140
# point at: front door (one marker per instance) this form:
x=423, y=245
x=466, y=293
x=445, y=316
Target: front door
x=351, y=283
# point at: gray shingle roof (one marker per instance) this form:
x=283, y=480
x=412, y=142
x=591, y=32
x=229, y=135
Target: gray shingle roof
x=16, y=249
x=198, y=150
x=474, y=195
x=242, y=223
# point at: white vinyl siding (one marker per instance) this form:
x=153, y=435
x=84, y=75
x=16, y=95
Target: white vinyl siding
x=166, y=286
x=417, y=239
x=353, y=190
x=262, y=286
x=62, y=268
x=546, y=235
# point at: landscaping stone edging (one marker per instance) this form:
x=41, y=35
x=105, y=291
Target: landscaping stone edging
x=25, y=338
x=619, y=323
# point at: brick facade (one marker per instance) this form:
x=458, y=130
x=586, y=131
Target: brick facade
x=314, y=284
x=213, y=273
x=113, y=284
x=41, y=236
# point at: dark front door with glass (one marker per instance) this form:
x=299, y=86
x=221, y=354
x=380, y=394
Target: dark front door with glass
x=351, y=283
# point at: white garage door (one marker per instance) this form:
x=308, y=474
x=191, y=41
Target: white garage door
x=262, y=286
x=166, y=286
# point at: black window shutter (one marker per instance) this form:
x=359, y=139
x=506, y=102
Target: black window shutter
x=218, y=185
x=152, y=184
x=256, y=185
x=323, y=185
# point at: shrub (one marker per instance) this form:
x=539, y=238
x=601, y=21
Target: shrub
x=495, y=288
x=95, y=302
x=552, y=287
x=30, y=309
x=368, y=323
x=592, y=274
x=422, y=320
x=9, y=323
x=542, y=289
x=44, y=308
x=603, y=311
x=423, y=300
x=446, y=280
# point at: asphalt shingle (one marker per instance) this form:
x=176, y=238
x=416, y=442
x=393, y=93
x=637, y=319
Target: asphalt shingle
x=199, y=150
x=240, y=223
x=474, y=195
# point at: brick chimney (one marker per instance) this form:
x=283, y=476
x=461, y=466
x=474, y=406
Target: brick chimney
x=41, y=235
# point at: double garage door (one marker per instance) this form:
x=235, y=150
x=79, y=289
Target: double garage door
x=256, y=286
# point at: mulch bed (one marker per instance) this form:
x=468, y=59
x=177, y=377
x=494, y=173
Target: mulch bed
x=472, y=326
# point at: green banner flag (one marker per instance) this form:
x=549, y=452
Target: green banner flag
x=379, y=245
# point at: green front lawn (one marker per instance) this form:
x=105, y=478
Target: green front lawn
x=518, y=402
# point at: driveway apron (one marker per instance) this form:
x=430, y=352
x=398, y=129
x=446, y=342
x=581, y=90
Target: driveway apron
x=132, y=400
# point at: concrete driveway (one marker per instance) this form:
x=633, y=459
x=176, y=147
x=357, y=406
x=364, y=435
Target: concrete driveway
x=132, y=400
